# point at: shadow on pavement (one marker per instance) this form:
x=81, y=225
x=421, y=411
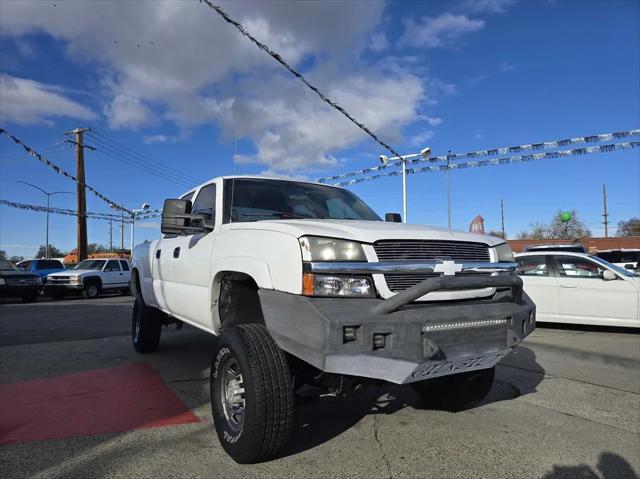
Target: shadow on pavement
x=610, y=465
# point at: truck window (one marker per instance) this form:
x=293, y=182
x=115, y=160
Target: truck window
x=24, y=265
x=532, y=266
x=125, y=265
x=112, y=265
x=205, y=203
x=49, y=264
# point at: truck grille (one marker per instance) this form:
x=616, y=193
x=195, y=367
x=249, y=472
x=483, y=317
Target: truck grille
x=425, y=250
x=30, y=281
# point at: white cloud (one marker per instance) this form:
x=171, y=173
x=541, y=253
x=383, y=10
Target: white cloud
x=28, y=102
x=440, y=31
x=151, y=139
x=486, y=6
x=506, y=66
x=433, y=121
x=180, y=63
x=379, y=42
x=421, y=138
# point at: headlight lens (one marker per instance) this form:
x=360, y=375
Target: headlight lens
x=504, y=253
x=75, y=279
x=315, y=248
x=337, y=286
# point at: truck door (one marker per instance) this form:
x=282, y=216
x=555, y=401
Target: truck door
x=190, y=257
x=112, y=276
x=540, y=284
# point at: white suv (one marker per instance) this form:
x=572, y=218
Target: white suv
x=91, y=276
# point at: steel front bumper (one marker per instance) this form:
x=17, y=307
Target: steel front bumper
x=421, y=340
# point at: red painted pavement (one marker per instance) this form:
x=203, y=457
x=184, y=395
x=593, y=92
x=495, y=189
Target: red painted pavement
x=101, y=401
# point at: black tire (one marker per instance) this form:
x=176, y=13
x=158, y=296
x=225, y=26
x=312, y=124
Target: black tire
x=146, y=326
x=31, y=297
x=91, y=289
x=267, y=412
x=456, y=392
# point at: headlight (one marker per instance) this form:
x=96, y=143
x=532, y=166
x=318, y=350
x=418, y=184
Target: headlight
x=315, y=248
x=504, y=253
x=337, y=286
x=75, y=279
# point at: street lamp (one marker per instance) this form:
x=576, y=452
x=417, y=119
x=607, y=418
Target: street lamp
x=145, y=206
x=424, y=153
x=48, y=196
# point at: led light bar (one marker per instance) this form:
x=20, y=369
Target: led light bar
x=477, y=324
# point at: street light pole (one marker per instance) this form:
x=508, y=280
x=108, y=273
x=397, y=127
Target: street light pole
x=49, y=194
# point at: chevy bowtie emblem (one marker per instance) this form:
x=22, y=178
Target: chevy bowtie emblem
x=448, y=267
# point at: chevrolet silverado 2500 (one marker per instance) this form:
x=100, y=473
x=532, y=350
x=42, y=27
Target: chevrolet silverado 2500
x=303, y=283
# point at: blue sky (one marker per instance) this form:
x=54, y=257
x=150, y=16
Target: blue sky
x=173, y=82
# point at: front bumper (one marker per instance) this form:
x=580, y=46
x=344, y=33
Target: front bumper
x=421, y=340
x=49, y=288
x=18, y=291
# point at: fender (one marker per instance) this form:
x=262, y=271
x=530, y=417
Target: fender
x=257, y=269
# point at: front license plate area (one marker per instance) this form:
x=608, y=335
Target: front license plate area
x=434, y=369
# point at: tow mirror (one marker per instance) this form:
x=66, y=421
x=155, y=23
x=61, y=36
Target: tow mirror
x=608, y=275
x=177, y=218
x=393, y=218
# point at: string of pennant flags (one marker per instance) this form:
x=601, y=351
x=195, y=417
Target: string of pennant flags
x=482, y=153
x=498, y=161
x=63, y=211
x=31, y=152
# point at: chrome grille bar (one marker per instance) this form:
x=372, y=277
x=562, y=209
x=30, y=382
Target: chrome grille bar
x=421, y=250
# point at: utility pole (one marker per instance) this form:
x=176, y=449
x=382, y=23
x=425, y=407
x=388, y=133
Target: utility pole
x=448, y=192
x=504, y=235
x=605, y=214
x=81, y=192
x=121, y=230
x=110, y=234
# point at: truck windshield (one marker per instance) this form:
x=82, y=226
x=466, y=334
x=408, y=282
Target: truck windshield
x=254, y=199
x=90, y=264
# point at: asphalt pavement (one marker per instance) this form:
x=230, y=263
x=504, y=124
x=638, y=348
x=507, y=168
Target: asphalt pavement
x=77, y=401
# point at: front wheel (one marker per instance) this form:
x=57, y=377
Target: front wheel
x=456, y=392
x=91, y=290
x=251, y=394
x=146, y=326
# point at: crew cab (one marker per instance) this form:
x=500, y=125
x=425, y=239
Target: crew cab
x=303, y=283
x=42, y=267
x=90, y=277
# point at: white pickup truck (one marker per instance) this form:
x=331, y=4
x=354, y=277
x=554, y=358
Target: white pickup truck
x=304, y=284
x=90, y=277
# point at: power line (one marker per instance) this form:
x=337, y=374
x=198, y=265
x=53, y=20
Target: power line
x=61, y=171
x=123, y=158
x=59, y=211
x=277, y=57
x=142, y=159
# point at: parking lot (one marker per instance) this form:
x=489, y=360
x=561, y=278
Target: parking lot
x=77, y=401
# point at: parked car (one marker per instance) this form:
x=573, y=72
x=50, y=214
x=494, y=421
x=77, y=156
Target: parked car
x=18, y=284
x=572, y=247
x=580, y=288
x=90, y=277
x=41, y=267
x=625, y=258
x=304, y=284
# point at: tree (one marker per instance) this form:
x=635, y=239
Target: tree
x=538, y=230
x=572, y=229
x=630, y=227
x=16, y=259
x=96, y=248
x=3, y=254
x=53, y=252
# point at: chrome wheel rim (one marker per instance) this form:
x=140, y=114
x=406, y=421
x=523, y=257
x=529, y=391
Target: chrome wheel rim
x=92, y=290
x=232, y=395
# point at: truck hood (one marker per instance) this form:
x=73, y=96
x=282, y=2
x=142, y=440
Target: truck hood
x=363, y=231
x=74, y=272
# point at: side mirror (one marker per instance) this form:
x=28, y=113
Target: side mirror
x=393, y=217
x=608, y=275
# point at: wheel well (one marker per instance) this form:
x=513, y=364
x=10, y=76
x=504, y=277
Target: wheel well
x=238, y=301
x=93, y=279
x=135, y=284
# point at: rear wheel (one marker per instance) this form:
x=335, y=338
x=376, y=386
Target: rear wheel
x=146, y=326
x=456, y=392
x=251, y=394
x=91, y=290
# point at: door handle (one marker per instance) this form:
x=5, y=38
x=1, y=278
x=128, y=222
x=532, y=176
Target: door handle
x=176, y=252
x=158, y=253
x=568, y=286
